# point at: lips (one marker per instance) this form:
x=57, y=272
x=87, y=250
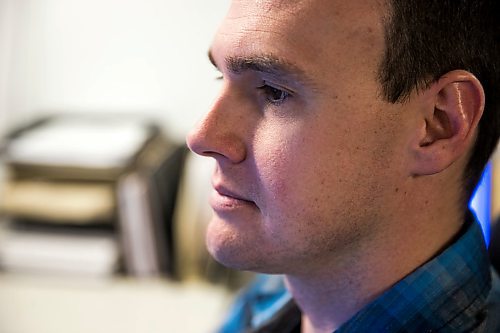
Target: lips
x=227, y=193
x=225, y=199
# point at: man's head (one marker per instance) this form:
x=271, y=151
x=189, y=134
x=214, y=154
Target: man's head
x=315, y=159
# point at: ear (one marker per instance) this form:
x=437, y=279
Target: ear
x=447, y=122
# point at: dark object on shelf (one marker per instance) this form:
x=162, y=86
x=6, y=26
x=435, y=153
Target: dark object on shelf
x=494, y=249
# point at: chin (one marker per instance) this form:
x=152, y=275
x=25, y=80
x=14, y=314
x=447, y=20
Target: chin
x=230, y=248
x=226, y=252
x=239, y=252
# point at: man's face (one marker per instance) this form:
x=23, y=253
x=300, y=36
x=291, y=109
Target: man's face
x=307, y=152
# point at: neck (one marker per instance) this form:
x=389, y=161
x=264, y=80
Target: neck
x=336, y=288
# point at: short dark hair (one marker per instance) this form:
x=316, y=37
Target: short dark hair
x=426, y=39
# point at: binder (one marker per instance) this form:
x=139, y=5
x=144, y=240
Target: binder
x=146, y=200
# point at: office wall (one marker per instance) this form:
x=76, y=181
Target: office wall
x=6, y=23
x=145, y=56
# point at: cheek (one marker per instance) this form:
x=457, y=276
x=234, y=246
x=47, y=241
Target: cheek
x=291, y=172
x=312, y=172
x=303, y=193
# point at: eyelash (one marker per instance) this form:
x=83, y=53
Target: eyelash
x=269, y=91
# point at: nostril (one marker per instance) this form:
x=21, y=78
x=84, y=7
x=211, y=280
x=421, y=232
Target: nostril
x=199, y=142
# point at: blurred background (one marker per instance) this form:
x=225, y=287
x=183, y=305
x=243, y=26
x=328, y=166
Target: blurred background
x=96, y=98
x=102, y=208
x=107, y=56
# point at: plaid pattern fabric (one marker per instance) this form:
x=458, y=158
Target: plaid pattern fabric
x=447, y=294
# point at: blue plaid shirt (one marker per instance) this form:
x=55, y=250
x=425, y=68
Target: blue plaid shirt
x=447, y=294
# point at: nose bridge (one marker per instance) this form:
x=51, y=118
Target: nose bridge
x=219, y=134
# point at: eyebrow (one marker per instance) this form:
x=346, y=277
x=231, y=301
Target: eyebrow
x=265, y=63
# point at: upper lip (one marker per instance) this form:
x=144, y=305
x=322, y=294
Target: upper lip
x=222, y=190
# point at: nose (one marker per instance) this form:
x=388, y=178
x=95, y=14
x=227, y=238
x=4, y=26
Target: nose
x=219, y=134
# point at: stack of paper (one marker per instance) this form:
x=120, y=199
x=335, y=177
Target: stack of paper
x=115, y=176
x=62, y=252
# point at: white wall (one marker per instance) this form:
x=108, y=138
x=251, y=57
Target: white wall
x=6, y=24
x=108, y=56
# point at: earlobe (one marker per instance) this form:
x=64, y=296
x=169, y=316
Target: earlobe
x=449, y=123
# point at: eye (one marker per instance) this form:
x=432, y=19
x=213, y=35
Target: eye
x=274, y=95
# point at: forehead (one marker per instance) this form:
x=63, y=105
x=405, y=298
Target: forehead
x=304, y=31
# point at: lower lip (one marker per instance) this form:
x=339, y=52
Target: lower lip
x=223, y=202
